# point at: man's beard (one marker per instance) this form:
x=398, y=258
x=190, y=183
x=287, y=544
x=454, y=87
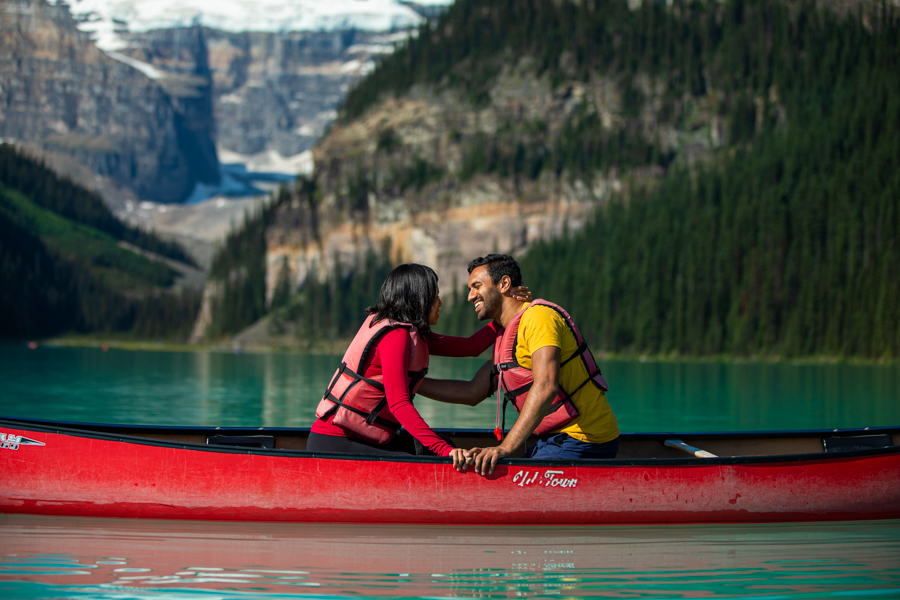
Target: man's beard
x=490, y=309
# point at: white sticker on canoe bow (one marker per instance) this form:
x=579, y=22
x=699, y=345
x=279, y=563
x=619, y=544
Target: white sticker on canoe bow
x=12, y=442
x=547, y=479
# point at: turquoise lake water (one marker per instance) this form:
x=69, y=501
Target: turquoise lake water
x=223, y=389
x=60, y=557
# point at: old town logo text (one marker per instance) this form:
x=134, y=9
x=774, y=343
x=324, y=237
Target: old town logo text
x=547, y=479
x=12, y=442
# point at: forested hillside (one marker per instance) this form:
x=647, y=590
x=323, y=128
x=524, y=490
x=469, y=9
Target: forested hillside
x=328, y=307
x=239, y=268
x=63, y=269
x=756, y=143
x=768, y=253
x=61, y=196
x=784, y=244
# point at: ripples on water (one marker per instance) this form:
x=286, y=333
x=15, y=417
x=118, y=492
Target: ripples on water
x=57, y=557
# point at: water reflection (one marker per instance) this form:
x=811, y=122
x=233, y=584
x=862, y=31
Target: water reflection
x=57, y=557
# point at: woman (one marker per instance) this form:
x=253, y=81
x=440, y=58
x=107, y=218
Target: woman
x=370, y=396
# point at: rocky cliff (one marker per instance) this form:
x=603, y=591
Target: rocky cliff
x=271, y=92
x=60, y=93
x=393, y=175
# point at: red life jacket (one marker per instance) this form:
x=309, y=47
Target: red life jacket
x=356, y=401
x=515, y=380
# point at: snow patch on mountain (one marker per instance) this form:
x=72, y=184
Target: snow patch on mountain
x=270, y=161
x=145, y=68
x=106, y=20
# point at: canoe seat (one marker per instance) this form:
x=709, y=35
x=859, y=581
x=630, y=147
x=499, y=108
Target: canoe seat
x=243, y=441
x=852, y=443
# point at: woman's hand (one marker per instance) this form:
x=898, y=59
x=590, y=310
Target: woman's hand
x=521, y=293
x=461, y=459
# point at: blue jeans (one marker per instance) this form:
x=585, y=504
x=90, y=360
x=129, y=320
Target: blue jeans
x=561, y=446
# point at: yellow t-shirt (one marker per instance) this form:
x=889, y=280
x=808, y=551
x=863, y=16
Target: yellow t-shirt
x=542, y=326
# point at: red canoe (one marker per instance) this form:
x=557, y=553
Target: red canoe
x=266, y=474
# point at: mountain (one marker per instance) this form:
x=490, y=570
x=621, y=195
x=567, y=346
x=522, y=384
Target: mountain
x=58, y=96
x=729, y=165
x=279, y=70
x=186, y=101
x=174, y=80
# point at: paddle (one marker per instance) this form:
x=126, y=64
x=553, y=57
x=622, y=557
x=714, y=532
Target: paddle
x=689, y=449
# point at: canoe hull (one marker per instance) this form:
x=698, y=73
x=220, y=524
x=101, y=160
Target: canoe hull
x=92, y=476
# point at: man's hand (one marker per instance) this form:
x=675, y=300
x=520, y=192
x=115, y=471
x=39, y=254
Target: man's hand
x=485, y=459
x=461, y=459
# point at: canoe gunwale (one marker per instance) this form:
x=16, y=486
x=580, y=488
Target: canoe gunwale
x=209, y=430
x=94, y=431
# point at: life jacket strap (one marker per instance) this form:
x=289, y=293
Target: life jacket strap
x=578, y=352
x=503, y=416
x=375, y=384
x=378, y=407
x=346, y=369
x=557, y=405
x=328, y=392
x=414, y=378
x=583, y=383
x=568, y=395
x=372, y=417
x=519, y=391
x=501, y=410
x=500, y=419
x=503, y=367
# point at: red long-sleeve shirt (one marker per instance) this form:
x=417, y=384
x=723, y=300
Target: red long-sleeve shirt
x=391, y=360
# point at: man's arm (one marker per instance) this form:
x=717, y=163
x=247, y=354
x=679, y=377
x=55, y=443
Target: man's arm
x=545, y=364
x=460, y=392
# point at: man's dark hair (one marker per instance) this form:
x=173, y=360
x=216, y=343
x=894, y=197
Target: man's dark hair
x=499, y=265
x=407, y=296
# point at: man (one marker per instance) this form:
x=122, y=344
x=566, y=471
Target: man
x=542, y=362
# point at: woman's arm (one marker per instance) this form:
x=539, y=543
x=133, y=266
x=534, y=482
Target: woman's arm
x=474, y=345
x=394, y=354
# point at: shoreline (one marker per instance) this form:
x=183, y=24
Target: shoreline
x=337, y=347
x=224, y=346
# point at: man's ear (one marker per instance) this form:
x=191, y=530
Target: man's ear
x=505, y=284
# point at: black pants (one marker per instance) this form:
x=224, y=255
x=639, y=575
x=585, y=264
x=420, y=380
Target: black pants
x=402, y=444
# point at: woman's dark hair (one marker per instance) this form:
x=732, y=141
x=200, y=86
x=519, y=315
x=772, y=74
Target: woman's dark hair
x=407, y=296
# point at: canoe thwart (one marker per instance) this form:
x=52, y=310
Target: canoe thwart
x=852, y=443
x=689, y=449
x=242, y=441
